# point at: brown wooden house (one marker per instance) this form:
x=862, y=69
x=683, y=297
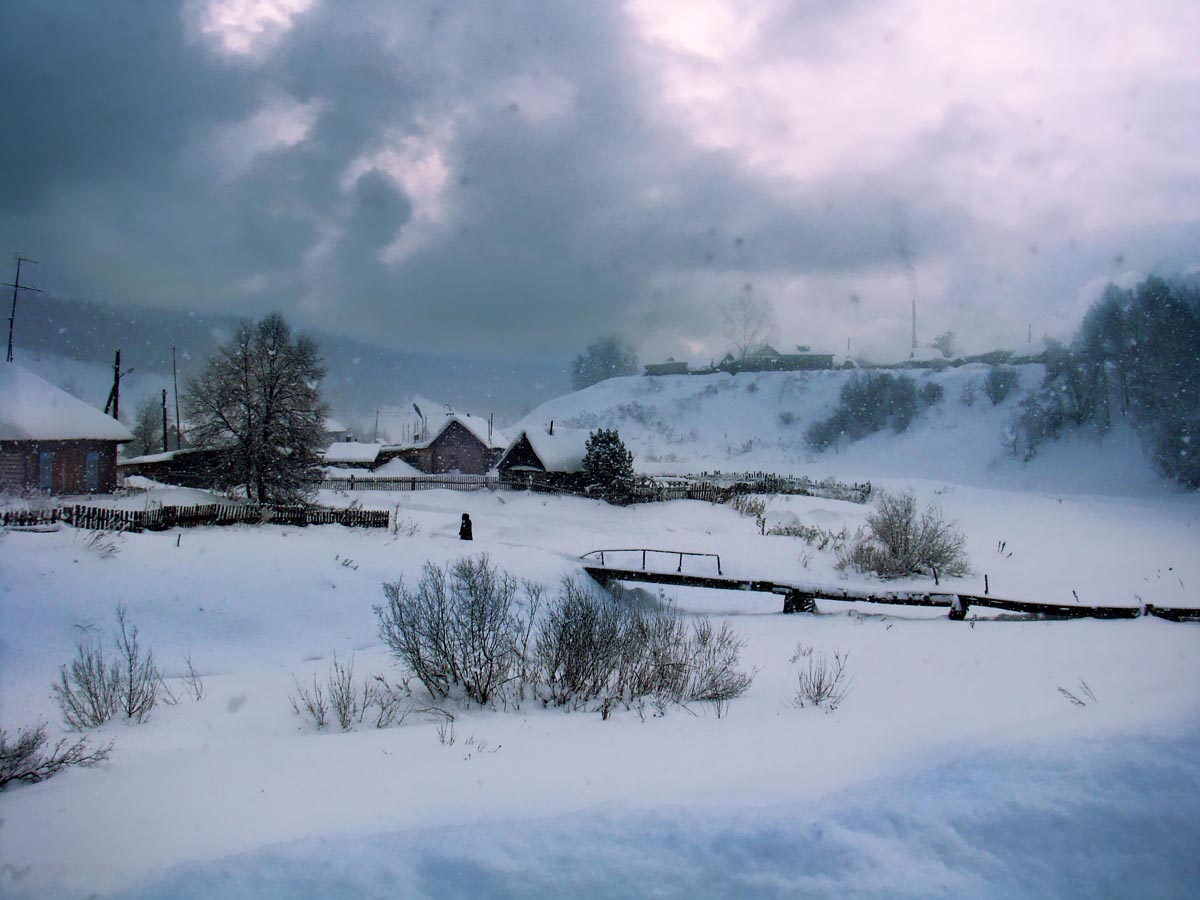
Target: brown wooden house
x=51, y=441
x=462, y=444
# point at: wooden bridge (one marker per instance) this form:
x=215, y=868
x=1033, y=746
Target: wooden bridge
x=804, y=597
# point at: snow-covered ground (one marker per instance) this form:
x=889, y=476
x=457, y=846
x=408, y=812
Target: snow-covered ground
x=954, y=767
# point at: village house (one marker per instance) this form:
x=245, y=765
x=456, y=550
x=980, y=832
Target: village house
x=540, y=452
x=459, y=444
x=51, y=441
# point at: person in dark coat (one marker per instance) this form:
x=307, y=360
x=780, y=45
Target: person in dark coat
x=464, y=530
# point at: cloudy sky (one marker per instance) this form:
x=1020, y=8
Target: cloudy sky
x=513, y=179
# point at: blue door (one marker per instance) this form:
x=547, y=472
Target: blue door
x=46, y=470
x=92, y=470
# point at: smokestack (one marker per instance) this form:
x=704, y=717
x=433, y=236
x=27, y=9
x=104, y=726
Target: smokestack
x=490, y=428
x=551, y=426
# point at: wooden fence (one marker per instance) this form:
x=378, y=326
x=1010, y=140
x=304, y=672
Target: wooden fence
x=714, y=488
x=164, y=517
x=415, y=483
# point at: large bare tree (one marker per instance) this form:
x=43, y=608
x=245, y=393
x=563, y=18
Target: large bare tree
x=748, y=321
x=259, y=397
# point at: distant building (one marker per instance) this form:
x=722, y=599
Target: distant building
x=670, y=367
x=51, y=441
x=461, y=444
x=768, y=359
x=336, y=431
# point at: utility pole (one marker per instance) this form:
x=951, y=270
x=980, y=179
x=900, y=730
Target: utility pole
x=175, y=375
x=166, y=447
x=114, y=396
x=17, y=288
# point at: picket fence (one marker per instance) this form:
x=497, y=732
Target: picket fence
x=164, y=517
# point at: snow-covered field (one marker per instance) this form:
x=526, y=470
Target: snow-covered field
x=954, y=767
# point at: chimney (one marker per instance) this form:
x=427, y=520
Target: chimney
x=552, y=426
x=490, y=428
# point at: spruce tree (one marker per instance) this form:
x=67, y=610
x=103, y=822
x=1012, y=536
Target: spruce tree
x=608, y=464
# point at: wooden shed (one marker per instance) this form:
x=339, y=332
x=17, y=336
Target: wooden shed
x=51, y=441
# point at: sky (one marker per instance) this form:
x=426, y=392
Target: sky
x=516, y=179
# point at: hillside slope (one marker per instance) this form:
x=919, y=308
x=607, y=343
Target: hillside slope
x=690, y=423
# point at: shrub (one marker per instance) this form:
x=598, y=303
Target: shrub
x=457, y=630
x=26, y=758
x=591, y=648
x=931, y=393
x=822, y=681
x=92, y=688
x=868, y=402
x=786, y=418
x=584, y=647
x=999, y=382
x=900, y=541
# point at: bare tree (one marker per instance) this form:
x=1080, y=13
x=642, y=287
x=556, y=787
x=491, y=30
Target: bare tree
x=147, y=430
x=607, y=357
x=260, y=399
x=748, y=321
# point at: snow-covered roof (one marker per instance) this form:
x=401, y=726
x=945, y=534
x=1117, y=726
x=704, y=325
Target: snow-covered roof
x=31, y=408
x=351, y=452
x=396, y=468
x=334, y=426
x=159, y=457
x=477, y=425
x=562, y=451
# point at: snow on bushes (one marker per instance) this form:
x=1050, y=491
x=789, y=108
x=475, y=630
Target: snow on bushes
x=460, y=633
x=899, y=540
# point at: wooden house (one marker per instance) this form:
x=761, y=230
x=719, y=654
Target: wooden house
x=461, y=444
x=51, y=441
x=545, y=450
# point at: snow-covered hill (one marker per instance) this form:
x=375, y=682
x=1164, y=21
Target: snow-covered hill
x=691, y=423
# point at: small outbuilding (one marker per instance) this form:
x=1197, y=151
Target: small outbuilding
x=352, y=455
x=51, y=441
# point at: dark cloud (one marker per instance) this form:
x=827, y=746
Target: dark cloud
x=481, y=178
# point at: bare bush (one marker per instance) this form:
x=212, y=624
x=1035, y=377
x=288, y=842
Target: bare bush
x=591, y=648
x=900, y=541
x=813, y=535
x=823, y=681
x=93, y=688
x=311, y=702
x=457, y=630
x=88, y=688
x=578, y=646
x=139, y=677
x=712, y=674
x=999, y=383
x=348, y=703
x=30, y=758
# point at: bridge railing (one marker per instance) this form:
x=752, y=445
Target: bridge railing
x=600, y=554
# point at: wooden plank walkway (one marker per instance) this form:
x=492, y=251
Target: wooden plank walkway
x=804, y=597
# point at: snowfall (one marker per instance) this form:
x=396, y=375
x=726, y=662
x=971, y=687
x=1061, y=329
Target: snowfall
x=954, y=766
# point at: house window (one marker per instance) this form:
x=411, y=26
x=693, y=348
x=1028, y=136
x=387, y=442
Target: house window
x=46, y=470
x=92, y=470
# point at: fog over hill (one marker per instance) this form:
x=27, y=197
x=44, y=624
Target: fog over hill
x=72, y=342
